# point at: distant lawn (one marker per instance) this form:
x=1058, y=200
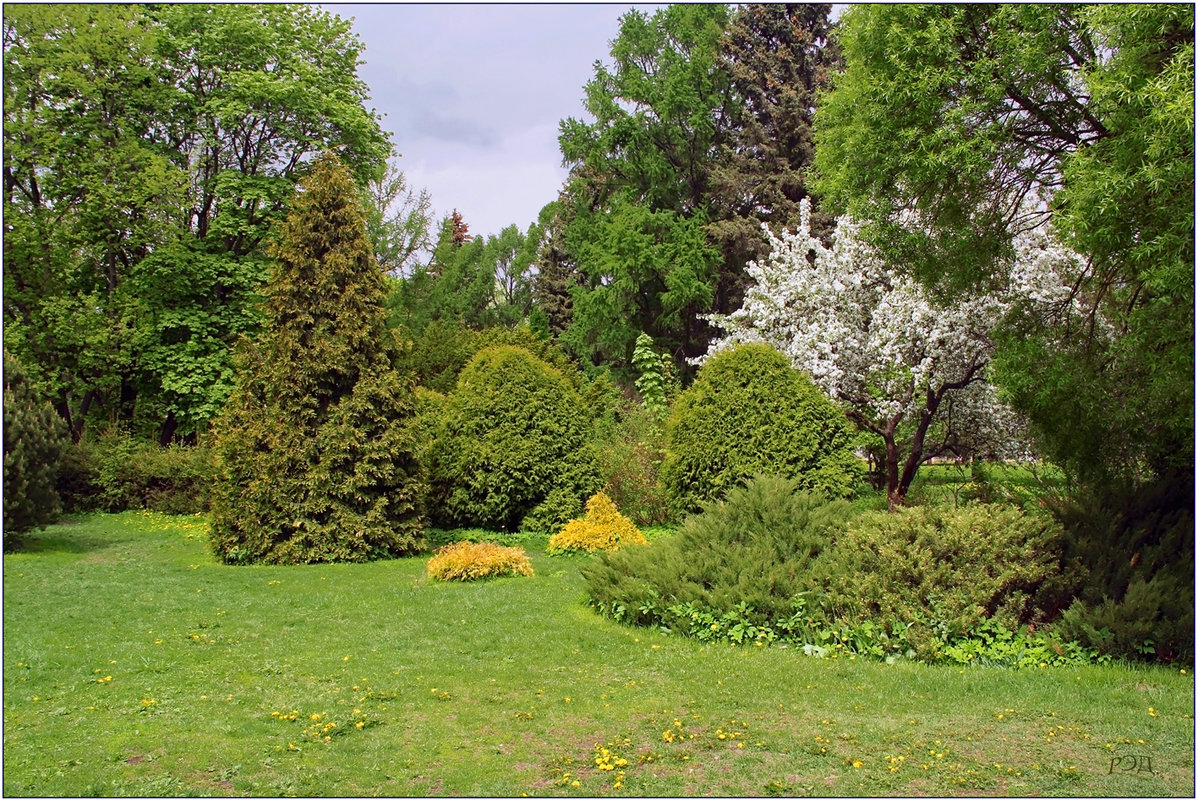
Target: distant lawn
x=134, y=664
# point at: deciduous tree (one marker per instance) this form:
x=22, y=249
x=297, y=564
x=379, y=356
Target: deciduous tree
x=947, y=118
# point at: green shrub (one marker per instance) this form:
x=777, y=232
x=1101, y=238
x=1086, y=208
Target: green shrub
x=316, y=452
x=512, y=444
x=470, y=561
x=78, y=476
x=732, y=572
x=630, y=446
x=1128, y=584
x=34, y=440
x=933, y=573
x=750, y=412
x=603, y=529
x=127, y=473
x=443, y=348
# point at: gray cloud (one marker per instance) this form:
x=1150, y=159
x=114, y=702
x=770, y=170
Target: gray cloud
x=458, y=85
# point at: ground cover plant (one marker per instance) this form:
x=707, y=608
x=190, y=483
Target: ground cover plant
x=136, y=664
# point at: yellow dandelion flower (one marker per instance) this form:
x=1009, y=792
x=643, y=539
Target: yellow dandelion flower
x=1152, y=712
x=857, y=763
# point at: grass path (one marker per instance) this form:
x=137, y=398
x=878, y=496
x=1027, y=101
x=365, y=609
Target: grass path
x=134, y=664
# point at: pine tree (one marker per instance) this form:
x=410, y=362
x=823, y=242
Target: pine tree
x=34, y=438
x=315, y=455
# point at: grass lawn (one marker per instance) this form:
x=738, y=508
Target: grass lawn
x=135, y=664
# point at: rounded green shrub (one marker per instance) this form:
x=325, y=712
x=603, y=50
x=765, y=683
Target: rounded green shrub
x=511, y=449
x=34, y=440
x=750, y=412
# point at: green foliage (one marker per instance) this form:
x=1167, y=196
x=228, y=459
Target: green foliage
x=1129, y=571
x=732, y=572
x=440, y=352
x=750, y=412
x=635, y=221
x=653, y=382
x=115, y=472
x=512, y=441
x=958, y=112
x=776, y=55
x=148, y=151
x=316, y=456
x=472, y=282
x=933, y=573
x=34, y=439
x=992, y=643
x=630, y=445
x=397, y=220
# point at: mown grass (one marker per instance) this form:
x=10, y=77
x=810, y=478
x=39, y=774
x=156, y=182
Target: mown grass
x=505, y=687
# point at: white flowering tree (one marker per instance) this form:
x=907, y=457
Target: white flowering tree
x=904, y=367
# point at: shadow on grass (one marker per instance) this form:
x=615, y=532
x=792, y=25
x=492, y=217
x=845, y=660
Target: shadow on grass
x=67, y=536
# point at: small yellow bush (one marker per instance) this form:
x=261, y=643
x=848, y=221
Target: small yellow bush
x=467, y=561
x=603, y=528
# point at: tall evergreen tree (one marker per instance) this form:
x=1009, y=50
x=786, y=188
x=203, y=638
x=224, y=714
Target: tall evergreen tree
x=777, y=57
x=639, y=180
x=316, y=460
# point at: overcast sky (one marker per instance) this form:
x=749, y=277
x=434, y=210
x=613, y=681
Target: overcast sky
x=472, y=95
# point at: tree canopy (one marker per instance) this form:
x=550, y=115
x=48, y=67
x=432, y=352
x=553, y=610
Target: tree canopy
x=148, y=151
x=947, y=120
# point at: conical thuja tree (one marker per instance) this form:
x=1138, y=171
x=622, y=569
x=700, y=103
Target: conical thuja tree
x=316, y=454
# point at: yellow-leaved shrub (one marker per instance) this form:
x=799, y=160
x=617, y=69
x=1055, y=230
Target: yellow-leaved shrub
x=467, y=561
x=603, y=529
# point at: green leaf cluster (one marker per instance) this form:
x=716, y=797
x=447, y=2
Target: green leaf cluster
x=750, y=412
x=316, y=454
x=511, y=449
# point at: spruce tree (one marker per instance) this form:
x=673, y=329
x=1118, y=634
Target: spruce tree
x=778, y=56
x=34, y=438
x=316, y=455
